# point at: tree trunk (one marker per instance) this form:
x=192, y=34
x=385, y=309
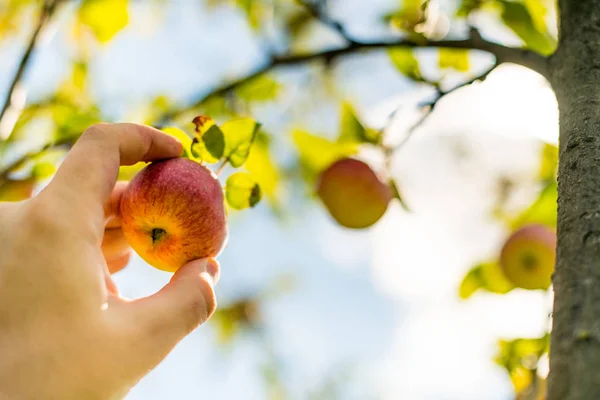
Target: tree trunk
x=575, y=77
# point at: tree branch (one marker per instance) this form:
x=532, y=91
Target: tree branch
x=315, y=9
x=19, y=162
x=429, y=107
x=14, y=101
x=474, y=41
x=428, y=110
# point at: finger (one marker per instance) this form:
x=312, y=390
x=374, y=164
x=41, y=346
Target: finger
x=119, y=263
x=89, y=172
x=111, y=286
x=114, y=244
x=111, y=208
x=163, y=319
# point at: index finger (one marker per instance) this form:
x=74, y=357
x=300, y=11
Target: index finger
x=89, y=172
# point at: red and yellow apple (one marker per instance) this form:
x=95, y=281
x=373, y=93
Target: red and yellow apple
x=528, y=256
x=353, y=194
x=172, y=212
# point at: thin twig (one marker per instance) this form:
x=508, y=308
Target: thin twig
x=430, y=106
x=222, y=166
x=18, y=163
x=13, y=103
x=315, y=8
x=503, y=54
x=219, y=91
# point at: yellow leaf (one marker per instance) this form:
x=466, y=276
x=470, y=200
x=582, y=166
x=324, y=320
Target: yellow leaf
x=180, y=135
x=520, y=358
x=260, y=89
x=521, y=378
x=263, y=169
x=352, y=130
x=454, y=58
x=17, y=190
x=242, y=191
x=127, y=172
x=43, y=170
x=519, y=19
x=548, y=162
x=239, y=135
x=542, y=211
x=486, y=276
x=411, y=15
x=317, y=153
x=105, y=18
x=405, y=61
x=537, y=10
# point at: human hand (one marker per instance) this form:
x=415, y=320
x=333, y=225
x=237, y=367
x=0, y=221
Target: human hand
x=65, y=333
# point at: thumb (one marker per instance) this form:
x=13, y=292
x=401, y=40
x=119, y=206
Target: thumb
x=161, y=320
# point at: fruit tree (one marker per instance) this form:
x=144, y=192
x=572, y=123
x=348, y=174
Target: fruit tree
x=444, y=45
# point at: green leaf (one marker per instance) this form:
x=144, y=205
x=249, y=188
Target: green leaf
x=231, y=319
x=518, y=18
x=405, y=61
x=470, y=284
x=263, y=169
x=538, y=11
x=548, y=162
x=454, y=59
x=11, y=16
x=542, y=211
x=239, y=135
x=42, y=170
x=260, y=89
x=17, y=190
x=180, y=135
x=298, y=21
x=467, y=7
x=520, y=358
x=209, y=147
x=352, y=130
x=159, y=106
x=71, y=120
x=486, y=276
x=216, y=105
x=409, y=16
x=105, y=18
x=317, y=153
x=397, y=195
x=253, y=10
x=43, y=165
x=242, y=191
x=127, y=172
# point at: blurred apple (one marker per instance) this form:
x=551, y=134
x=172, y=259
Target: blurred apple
x=528, y=255
x=172, y=212
x=353, y=194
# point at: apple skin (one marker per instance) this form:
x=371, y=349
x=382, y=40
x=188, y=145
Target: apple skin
x=528, y=256
x=172, y=212
x=353, y=194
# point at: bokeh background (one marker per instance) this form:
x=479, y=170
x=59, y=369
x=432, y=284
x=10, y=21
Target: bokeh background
x=308, y=309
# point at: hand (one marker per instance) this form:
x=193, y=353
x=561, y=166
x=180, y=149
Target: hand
x=65, y=333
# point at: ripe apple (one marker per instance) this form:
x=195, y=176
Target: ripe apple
x=353, y=194
x=172, y=212
x=528, y=255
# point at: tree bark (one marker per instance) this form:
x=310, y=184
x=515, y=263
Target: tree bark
x=574, y=72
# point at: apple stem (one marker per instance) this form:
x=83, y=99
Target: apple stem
x=221, y=167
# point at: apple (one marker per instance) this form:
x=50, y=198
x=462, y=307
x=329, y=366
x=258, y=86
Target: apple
x=172, y=212
x=528, y=256
x=353, y=194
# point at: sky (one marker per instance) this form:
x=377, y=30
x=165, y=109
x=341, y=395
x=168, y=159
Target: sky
x=381, y=303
